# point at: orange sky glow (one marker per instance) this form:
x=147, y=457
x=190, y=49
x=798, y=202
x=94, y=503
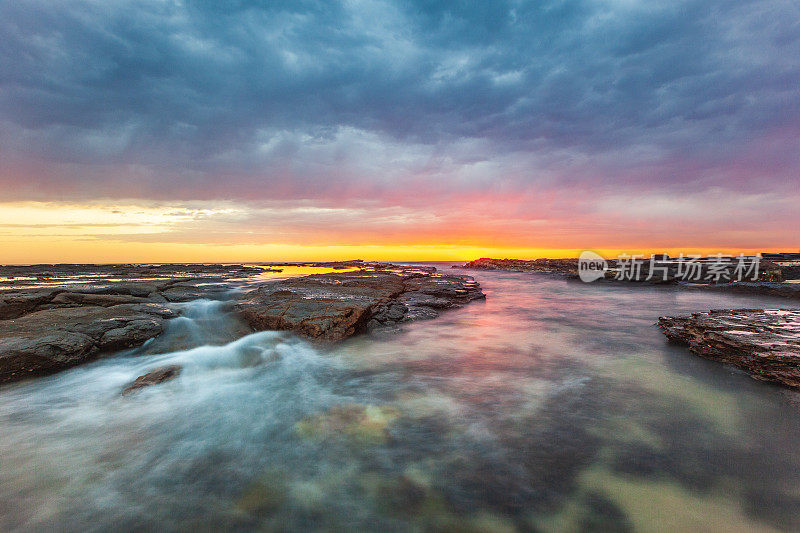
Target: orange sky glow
x=39, y=232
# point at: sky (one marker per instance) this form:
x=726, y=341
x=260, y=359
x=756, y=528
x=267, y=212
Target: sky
x=163, y=130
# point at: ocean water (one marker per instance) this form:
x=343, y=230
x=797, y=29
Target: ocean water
x=551, y=406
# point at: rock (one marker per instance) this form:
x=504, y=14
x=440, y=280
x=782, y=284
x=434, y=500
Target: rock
x=67, y=299
x=138, y=290
x=770, y=276
x=130, y=333
x=159, y=375
x=440, y=292
x=14, y=304
x=766, y=343
x=324, y=309
x=265, y=495
x=85, y=311
x=21, y=356
x=25, y=289
x=782, y=290
x=53, y=317
x=53, y=339
x=791, y=272
x=185, y=290
x=332, y=307
x=564, y=266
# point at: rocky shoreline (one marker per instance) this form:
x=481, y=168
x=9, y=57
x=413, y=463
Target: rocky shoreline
x=56, y=317
x=568, y=268
x=764, y=342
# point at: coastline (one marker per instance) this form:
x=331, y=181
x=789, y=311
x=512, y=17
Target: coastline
x=66, y=315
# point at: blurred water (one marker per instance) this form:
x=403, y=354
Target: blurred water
x=553, y=406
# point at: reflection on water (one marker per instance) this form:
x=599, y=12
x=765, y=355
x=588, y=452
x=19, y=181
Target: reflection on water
x=551, y=405
x=290, y=271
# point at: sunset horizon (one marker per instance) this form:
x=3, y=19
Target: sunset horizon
x=109, y=232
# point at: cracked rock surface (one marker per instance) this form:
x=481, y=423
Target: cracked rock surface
x=332, y=307
x=765, y=342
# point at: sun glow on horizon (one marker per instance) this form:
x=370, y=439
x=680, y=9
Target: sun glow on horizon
x=135, y=232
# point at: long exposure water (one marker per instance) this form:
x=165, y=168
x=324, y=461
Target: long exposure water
x=552, y=406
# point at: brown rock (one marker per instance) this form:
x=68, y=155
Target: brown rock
x=332, y=307
x=159, y=375
x=564, y=266
x=766, y=343
x=328, y=307
x=53, y=339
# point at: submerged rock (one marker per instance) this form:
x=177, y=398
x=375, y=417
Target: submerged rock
x=602, y=514
x=361, y=423
x=766, y=343
x=401, y=495
x=265, y=495
x=159, y=375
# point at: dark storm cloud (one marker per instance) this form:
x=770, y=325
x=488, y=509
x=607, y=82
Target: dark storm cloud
x=330, y=99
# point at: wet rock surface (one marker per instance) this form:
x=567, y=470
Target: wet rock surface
x=766, y=343
x=53, y=339
x=332, y=307
x=157, y=376
x=53, y=317
x=362, y=424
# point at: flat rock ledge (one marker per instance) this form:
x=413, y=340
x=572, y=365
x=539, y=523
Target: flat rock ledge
x=333, y=307
x=53, y=339
x=764, y=342
x=568, y=266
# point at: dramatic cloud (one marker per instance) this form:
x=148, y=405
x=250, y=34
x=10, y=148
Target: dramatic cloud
x=532, y=119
